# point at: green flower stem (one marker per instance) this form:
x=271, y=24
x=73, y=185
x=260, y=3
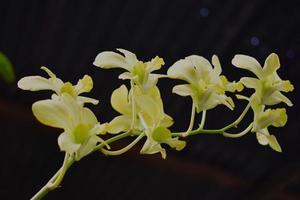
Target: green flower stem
x=192, y=120
x=56, y=179
x=125, y=149
x=216, y=131
x=203, y=119
x=237, y=135
x=112, y=139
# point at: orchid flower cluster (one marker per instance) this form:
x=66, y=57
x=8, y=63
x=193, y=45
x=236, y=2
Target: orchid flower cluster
x=141, y=108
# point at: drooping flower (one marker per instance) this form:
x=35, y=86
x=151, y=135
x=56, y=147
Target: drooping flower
x=268, y=85
x=138, y=71
x=121, y=102
x=36, y=83
x=206, y=85
x=265, y=118
x=268, y=88
x=80, y=125
x=155, y=123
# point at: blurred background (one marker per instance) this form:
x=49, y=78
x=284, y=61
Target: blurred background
x=66, y=36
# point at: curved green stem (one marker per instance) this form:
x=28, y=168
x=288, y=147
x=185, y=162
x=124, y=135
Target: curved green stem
x=56, y=179
x=123, y=150
x=217, y=131
x=192, y=120
x=237, y=135
x=112, y=139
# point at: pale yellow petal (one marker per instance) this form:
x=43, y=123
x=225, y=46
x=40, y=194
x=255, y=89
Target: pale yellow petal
x=52, y=113
x=183, y=90
x=84, y=85
x=35, y=83
x=216, y=63
x=248, y=63
x=110, y=59
x=119, y=124
x=119, y=100
x=271, y=65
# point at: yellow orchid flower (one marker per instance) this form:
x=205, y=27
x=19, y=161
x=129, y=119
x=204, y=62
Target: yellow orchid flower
x=138, y=71
x=36, y=83
x=264, y=119
x=155, y=123
x=268, y=85
x=206, y=85
x=121, y=102
x=80, y=125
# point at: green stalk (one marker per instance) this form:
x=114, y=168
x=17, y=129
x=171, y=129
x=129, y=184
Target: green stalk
x=56, y=179
x=125, y=149
x=216, y=131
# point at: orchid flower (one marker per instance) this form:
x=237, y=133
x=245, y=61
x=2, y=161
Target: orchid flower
x=36, y=83
x=265, y=118
x=138, y=71
x=155, y=123
x=80, y=125
x=268, y=85
x=121, y=102
x=206, y=85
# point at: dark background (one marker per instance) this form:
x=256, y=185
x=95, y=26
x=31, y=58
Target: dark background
x=66, y=35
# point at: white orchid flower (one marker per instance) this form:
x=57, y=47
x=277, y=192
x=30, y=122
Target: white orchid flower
x=265, y=118
x=80, y=125
x=206, y=85
x=36, y=83
x=138, y=71
x=268, y=85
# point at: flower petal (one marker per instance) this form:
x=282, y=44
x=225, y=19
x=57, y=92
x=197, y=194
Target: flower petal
x=84, y=100
x=35, y=83
x=250, y=82
x=276, y=98
x=163, y=135
x=126, y=75
x=275, y=117
x=274, y=143
x=167, y=121
x=183, y=69
x=88, y=117
x=52, y=113
x=216, y=63
x=201, y=63
x=284, y=86
x=110, y=59
x=155, y=64
x=49, y=72
x=150, y=107
x=119, y=124
x=119, y=100
x=86, y=147
x=262, y=138
x=130, y=57
x=66, y=143
x=84, y=85
x=248, y=63
x=271, y=65
x=182, y=90
x=152, y=147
